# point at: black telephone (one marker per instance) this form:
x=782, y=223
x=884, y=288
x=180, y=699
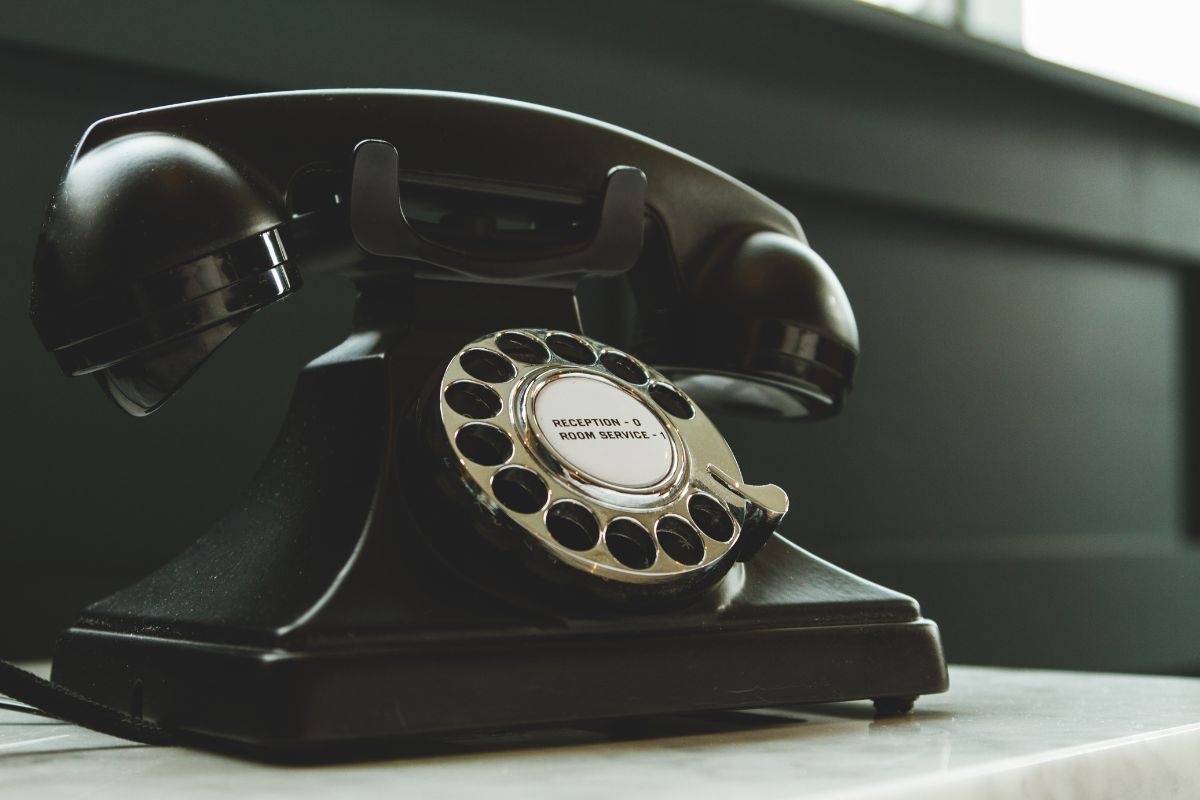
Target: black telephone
x=475, y=515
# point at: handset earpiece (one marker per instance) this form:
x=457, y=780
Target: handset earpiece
x=156, y=249
x=773, y=332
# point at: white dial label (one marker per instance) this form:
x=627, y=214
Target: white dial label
x=603, y=432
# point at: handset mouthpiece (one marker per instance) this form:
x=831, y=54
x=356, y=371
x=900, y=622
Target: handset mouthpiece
x=155, y=249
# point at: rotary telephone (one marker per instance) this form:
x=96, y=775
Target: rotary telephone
x=500, y=501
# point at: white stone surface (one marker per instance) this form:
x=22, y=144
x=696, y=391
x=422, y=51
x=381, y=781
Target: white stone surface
x=997, y=734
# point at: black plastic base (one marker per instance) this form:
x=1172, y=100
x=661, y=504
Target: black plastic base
x=338, y=603
x=797, y=631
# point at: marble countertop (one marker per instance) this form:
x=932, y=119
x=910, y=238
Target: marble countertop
x=997, y=733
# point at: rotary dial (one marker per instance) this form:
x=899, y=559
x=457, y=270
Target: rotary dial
x=597, y=459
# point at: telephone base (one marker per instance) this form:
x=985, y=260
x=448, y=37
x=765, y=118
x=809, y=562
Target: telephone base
x=319, y=611
x=798, y=630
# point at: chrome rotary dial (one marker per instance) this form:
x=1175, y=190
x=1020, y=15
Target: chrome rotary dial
x=598, y=460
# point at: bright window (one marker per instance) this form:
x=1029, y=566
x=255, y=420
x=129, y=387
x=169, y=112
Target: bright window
x=1151, y=44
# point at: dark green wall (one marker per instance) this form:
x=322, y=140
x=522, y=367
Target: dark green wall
x=1018, y=241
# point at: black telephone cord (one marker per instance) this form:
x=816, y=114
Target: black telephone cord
x=58, y=702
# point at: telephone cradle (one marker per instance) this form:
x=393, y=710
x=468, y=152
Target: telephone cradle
x=501, y=501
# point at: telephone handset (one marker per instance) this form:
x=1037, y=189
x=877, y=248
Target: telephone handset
x=503, y=487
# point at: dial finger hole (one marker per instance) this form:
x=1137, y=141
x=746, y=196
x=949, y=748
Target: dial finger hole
x=571, y=349
x=522, y=347
x=473, y=400
x=520, y=489
x=624, y=367
x=630, y=543
x=679, y=540
x=711, y=517
x=572, y=525
x=487, y=366
x=484, y=444
x=672, y=401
